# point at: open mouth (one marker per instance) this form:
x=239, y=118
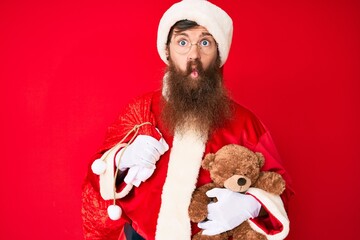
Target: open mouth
x=194, y=73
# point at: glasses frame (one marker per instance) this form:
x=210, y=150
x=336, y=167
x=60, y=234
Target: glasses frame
x=213, y=44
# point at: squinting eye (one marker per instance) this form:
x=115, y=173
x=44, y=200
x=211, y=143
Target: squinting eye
x=182, y=43
x=205, y=43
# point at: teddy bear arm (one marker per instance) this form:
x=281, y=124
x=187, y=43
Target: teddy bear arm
x=245, y=232
x=199, y=201
x=221, y=236
x=271, y=182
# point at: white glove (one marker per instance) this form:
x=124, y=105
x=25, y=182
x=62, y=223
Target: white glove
x=230, y=210
x=140, y=156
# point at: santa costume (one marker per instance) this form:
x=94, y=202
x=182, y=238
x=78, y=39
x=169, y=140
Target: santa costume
x=158, y=208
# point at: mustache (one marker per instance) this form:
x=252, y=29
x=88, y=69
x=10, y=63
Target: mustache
x=194, y=64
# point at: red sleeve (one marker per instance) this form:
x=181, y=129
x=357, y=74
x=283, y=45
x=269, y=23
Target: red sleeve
x=273, y=163
x=270, y=224
x=258, y=139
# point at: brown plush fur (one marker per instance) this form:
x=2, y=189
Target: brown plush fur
x=228, y=165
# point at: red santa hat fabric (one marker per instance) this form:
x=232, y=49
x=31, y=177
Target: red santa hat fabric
x=204, y=13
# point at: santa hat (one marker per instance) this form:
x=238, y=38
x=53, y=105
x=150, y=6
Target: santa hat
x=204, y=13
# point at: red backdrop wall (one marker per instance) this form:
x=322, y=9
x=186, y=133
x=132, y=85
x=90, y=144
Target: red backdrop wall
x=67, y=67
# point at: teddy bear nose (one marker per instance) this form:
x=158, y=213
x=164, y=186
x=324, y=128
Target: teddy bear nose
x=241, y=181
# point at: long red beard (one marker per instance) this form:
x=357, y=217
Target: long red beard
x=199, y=104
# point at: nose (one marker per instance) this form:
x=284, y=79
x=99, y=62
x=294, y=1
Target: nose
x=194, y=52
x=241, y=181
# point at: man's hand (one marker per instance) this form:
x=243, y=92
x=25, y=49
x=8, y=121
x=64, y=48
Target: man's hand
x=140, y=157
x=230, y=210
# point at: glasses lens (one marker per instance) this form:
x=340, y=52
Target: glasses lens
x=181, y=49
x=182, y=45
x=207, y=46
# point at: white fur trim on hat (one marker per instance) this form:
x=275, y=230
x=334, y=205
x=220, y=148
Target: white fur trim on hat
x=204, y=13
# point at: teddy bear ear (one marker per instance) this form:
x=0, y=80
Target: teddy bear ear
x=207, y=161
x=261, y=159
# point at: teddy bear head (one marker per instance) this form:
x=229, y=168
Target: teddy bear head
x=234, y=167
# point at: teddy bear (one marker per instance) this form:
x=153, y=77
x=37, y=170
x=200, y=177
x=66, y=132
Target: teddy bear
x=236, y=168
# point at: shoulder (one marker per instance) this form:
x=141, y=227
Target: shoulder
x=243, y=114
x=247, y=122
x=240, y=109
x=141, y=101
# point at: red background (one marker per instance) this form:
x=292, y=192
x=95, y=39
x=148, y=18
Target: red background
x=67, y=67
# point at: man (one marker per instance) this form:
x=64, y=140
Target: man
x=190, y=117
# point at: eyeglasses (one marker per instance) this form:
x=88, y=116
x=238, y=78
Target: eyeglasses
x=182, y=45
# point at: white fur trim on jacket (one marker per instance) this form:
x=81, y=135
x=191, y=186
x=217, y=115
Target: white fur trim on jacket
x=275, y=206
x=183, y=169
x=204, y=13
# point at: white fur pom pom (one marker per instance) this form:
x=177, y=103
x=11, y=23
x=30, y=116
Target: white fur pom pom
x=114, y=212
x=98, y=167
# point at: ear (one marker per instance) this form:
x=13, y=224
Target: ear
x=271, y=182
x=208, y=160
x=261, y=159
x=167, y=52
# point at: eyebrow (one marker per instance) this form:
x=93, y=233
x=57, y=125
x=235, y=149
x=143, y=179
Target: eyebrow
x=203, y=34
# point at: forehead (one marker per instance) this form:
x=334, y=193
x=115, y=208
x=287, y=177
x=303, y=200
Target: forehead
x=198, y=31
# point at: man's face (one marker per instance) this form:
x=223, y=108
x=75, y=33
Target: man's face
x=190, y=45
